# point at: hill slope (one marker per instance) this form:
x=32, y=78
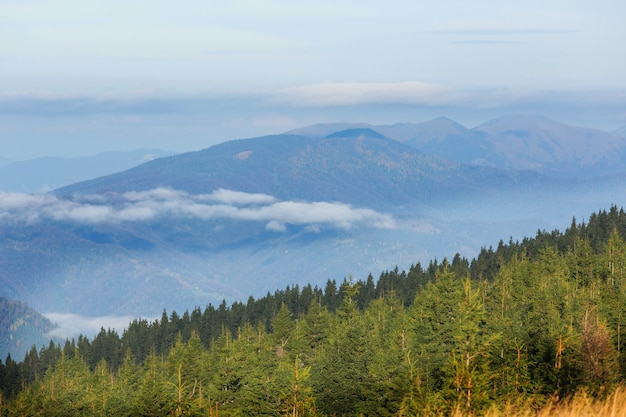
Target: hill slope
x=553, y=148
x=21, y=327
x=172, y=232
x=252, y=215
x=516, y=143
x=356, y=166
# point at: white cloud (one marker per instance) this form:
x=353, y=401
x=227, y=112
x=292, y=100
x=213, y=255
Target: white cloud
x=82, y=213
x=72, y=325
x=137, y=213
x=237, y=197
x=154, y=194
x=339, y=215
x=276, y=226
x=164, y=202
x=358, y=93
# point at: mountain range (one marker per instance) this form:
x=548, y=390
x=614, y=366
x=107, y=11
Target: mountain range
x=512, y=142
x=356, y=166
x=45, y=174
x=245, y=217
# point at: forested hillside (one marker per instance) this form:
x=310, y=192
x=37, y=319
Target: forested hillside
x=521, y=324
x=170, y=233
x=21, y=327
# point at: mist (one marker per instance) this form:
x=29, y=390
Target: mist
x=148, y=206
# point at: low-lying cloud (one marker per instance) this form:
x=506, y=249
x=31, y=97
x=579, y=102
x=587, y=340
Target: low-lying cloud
x=72, y=325
x=363, y=93
x=146, y=206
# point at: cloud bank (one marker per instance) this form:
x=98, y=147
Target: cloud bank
x=362, y=93
x=146, y=206
x=72, y=325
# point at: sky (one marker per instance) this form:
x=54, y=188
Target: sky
x=79, y=77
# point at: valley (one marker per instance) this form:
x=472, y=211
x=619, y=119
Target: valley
x=249, y=216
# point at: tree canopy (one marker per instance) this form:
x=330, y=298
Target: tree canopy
x=519, y=324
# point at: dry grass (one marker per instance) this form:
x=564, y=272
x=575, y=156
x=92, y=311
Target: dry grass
x=581, y=405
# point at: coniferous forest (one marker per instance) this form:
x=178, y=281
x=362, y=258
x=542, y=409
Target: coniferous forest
x=523, y=325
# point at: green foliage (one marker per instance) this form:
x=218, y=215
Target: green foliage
x=341, y=374
x=519, y=324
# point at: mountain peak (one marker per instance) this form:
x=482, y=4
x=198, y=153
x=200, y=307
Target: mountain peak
x=436, y=131
x=539, y=143
x=442, y=120
x=441, y=126
x=356, y=132
x=321, y=130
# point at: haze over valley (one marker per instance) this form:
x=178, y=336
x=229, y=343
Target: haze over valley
x=158, y=157
x=324, y=202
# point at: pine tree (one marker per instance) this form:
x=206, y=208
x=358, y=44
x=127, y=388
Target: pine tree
x=186, y=370
x=295, y=391
x=155, y=396
x=434, y=313
x=340, y=374
x=505, y=306
x=282, y=329
x=467, y=371
x=125, y=389
x=388, y=372
x=312, y=332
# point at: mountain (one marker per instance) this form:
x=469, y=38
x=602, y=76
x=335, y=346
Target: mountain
x=239, y=219
x=46, y=174
x=324, y=129
x=248, y=216
x=519, y=143
x=444, y=138
x=541, y=144
x=356, y=166
x=620, y=132
x=21, y=327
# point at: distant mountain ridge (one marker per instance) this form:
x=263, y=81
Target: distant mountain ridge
x=46, y=174
x=325, y=129
x=544, y=145
x=136, y=267
x=357, y=166
x=515, y=142
x=247, y=216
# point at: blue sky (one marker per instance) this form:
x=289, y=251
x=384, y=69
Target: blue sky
x=81, y=77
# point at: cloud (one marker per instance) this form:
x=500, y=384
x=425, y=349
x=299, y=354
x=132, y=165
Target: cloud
x=340, y=215
x=274, y=121
x=72, y=325
x=360, y=93
x=238, y=197
x=482, y=42
x=154, y=194
x=508, y=31
x=496, y=36
x=276, y=226
x=159, y=203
